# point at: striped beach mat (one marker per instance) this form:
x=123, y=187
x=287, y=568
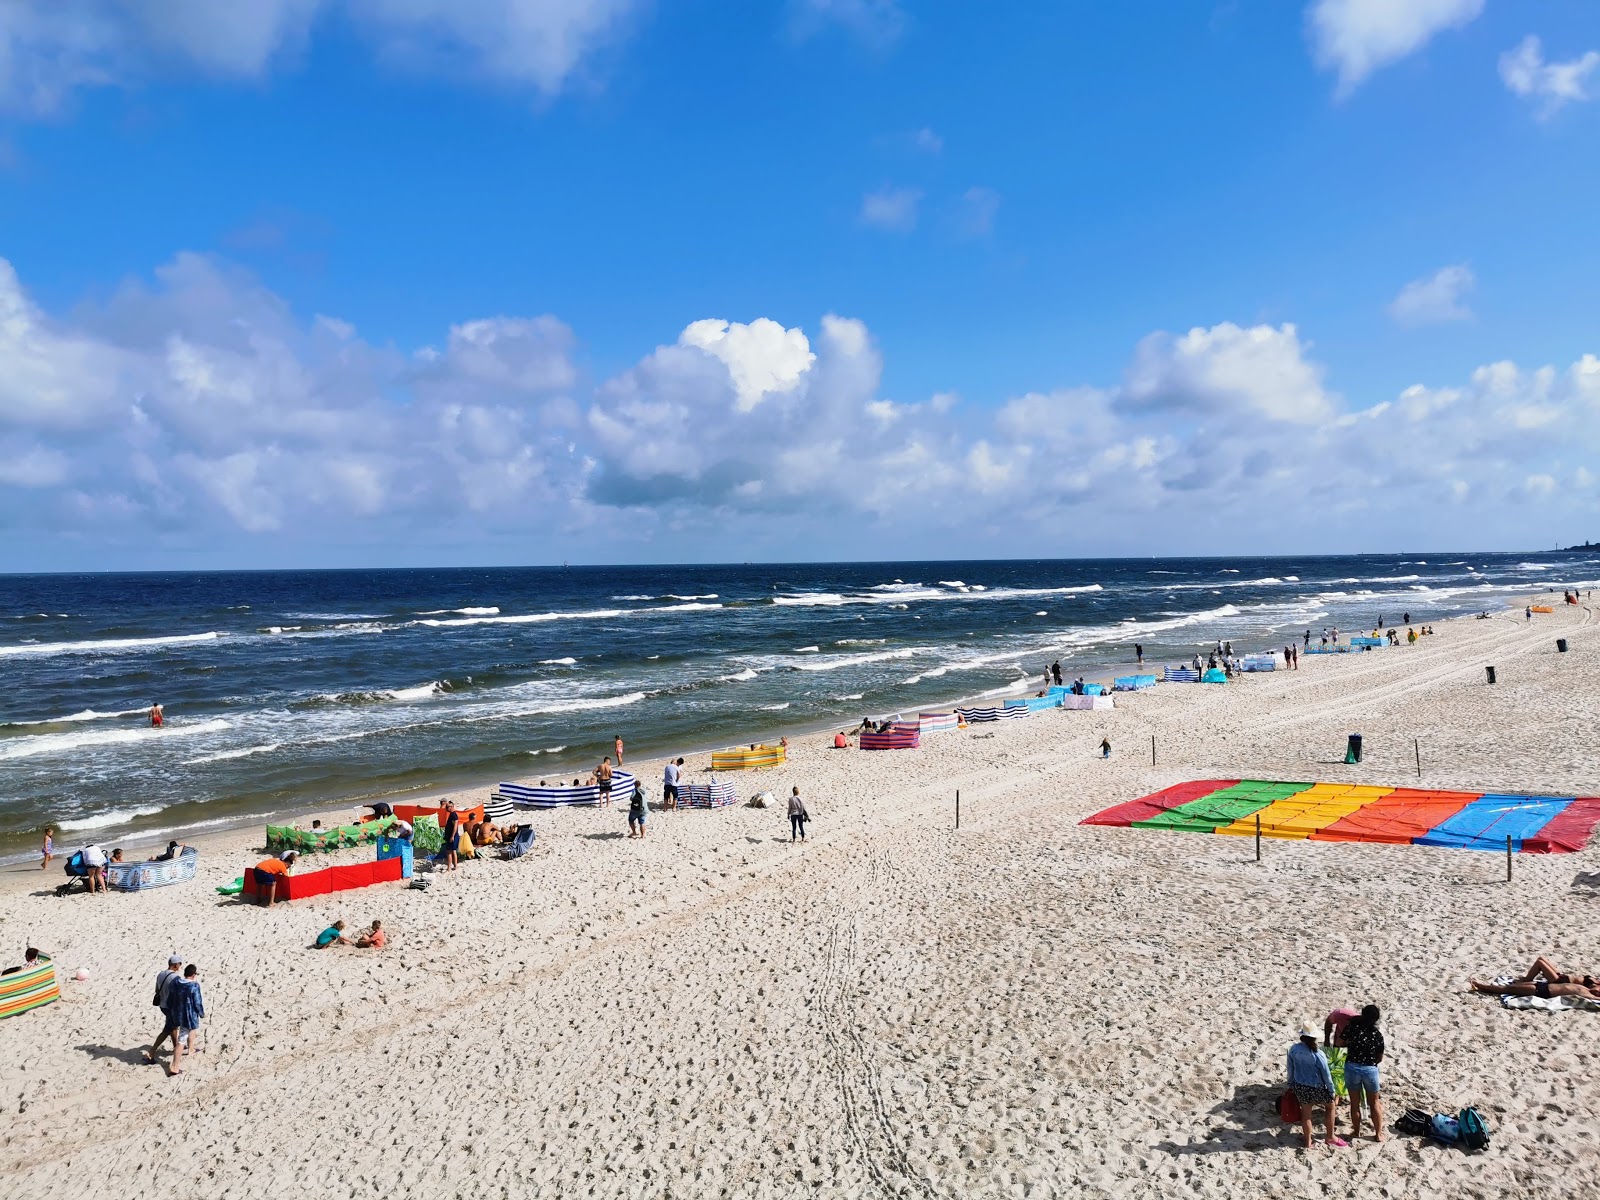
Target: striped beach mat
x=715, y=794
x=559, y=797
x=32, y=987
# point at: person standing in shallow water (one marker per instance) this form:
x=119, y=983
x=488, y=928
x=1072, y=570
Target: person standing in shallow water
x=616, y=745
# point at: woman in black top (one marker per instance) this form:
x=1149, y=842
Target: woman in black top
x=1363, y=1042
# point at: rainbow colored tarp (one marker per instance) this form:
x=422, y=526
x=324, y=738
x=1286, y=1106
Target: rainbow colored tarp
x=1350, y=812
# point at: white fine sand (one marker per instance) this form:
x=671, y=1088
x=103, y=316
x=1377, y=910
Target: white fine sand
x=1026, y=1007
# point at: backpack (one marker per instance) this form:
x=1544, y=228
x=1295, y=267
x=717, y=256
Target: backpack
x=1414, y=1123
x=1473, y=1133
x=1444, y=1129
x=1289, y=1107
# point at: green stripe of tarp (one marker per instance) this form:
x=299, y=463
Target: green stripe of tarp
x=1223, y=807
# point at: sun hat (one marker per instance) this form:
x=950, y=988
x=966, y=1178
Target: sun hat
x=1308, y=1030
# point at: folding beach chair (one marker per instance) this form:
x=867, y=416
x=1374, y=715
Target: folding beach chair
x=519, y=845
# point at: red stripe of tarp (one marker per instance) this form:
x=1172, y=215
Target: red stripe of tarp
x=1157, y=803
x=1398, y=818
x=331, y=879
x=1568, y=830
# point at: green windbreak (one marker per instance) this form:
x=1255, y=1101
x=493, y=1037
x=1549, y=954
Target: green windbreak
x=1222, y=807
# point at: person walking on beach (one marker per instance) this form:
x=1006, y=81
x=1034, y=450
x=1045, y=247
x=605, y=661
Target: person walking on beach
x=798, y=816
x=48, y=849
x=1527, y=614
x=669, y=783
x=1311, y=1080
x=1364, y=1051
x=163, y=982
x=616, y=745
x=1055, y=669
x=1138, y=653
x=184, y=1009
x=1105, y=747
x=602, y=778
x=637, y=808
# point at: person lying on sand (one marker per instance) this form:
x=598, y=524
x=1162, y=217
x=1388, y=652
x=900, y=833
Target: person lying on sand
x=1547, y=968
x=1541, y=988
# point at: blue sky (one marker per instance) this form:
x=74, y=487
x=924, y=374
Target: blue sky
x=372, y=281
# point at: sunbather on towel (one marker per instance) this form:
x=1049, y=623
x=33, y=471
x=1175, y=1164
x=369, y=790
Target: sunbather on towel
x=1541, y=988
x=1553, y=974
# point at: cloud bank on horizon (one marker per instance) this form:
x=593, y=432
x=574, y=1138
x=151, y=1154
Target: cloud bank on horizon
x=197, y=407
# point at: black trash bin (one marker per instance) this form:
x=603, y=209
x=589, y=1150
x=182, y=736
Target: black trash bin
x=1352, y=751
x=1490, y=671
x=1561, y=645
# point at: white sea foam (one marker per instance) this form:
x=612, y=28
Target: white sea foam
x=226, y=755
x=546, y=750
x=523, y=619
x=853, y=660
x=87, y=714
x=557, y=662
x=775, y=707
x=108, y=645
x=808, y=650
x=692, y=606
x=57, y=743
x=105, y=820
x=743, y=676
x=466, y=612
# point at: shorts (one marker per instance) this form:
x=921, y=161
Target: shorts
x=636, y=815
x=1311, y=1097
x=1359, y=1078
x=264, y=879
x=669, y=792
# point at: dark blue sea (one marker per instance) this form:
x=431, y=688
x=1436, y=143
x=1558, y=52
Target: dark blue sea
x=285, y=690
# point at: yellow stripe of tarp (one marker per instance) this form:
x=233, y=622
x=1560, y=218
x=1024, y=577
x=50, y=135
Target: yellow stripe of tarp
x=23, y=990
x=1301, y=815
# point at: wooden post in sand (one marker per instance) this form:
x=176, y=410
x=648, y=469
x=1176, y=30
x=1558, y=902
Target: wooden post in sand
x=1152, y=749
x=1258, y=837
x=1416, y=744
x=1508, y=858
x=958, y=808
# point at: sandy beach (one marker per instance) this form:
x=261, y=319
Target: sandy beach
x=1023, y=1007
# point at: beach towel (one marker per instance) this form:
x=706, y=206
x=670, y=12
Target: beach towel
x=1550, y=1004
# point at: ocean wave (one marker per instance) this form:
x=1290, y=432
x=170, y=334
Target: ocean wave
x=523, y=619
x=105, y=820
x=546, y=750
x=87, y=714
x=557, y=662
x=853, y=660
x=55, y=743
x=1533, y=566
x=108, y=645
x=743, y=676
x=691, y=606
x=775, y=707
x=861, y=641
x=422, y=691
x=466, y=612
x=808, y=650
x=670, y=596
x=228, y=755
x=38, y=616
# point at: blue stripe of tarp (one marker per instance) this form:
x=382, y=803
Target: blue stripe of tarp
x=1489, y=820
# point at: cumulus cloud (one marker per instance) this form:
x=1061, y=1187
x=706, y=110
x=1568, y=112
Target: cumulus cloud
x=1435, y=299
x=48, y=51
x=196, y=403
x=1357, y=37
x=891, y=208
x=1553, y=84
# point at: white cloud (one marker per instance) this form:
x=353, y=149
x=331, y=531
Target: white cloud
x=197, y=404
x=1554, y=84
x=891, y=208
x=1356, y=37
x=761, y=357
x=1436, y=298
x=50, y=50
x=927, y=141
x=1226, y=370
x=979, y=207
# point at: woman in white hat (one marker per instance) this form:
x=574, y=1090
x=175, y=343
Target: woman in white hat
x=1312, y=1084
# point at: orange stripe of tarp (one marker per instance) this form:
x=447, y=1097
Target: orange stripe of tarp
x=1568, y=830
x=1398, y=818
x=1157, y=803
x=1303, y=814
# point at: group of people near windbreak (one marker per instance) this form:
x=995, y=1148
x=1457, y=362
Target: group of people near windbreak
x=1311, y=1076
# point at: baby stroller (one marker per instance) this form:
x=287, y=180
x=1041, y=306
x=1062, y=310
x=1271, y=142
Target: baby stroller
x=77, y=875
